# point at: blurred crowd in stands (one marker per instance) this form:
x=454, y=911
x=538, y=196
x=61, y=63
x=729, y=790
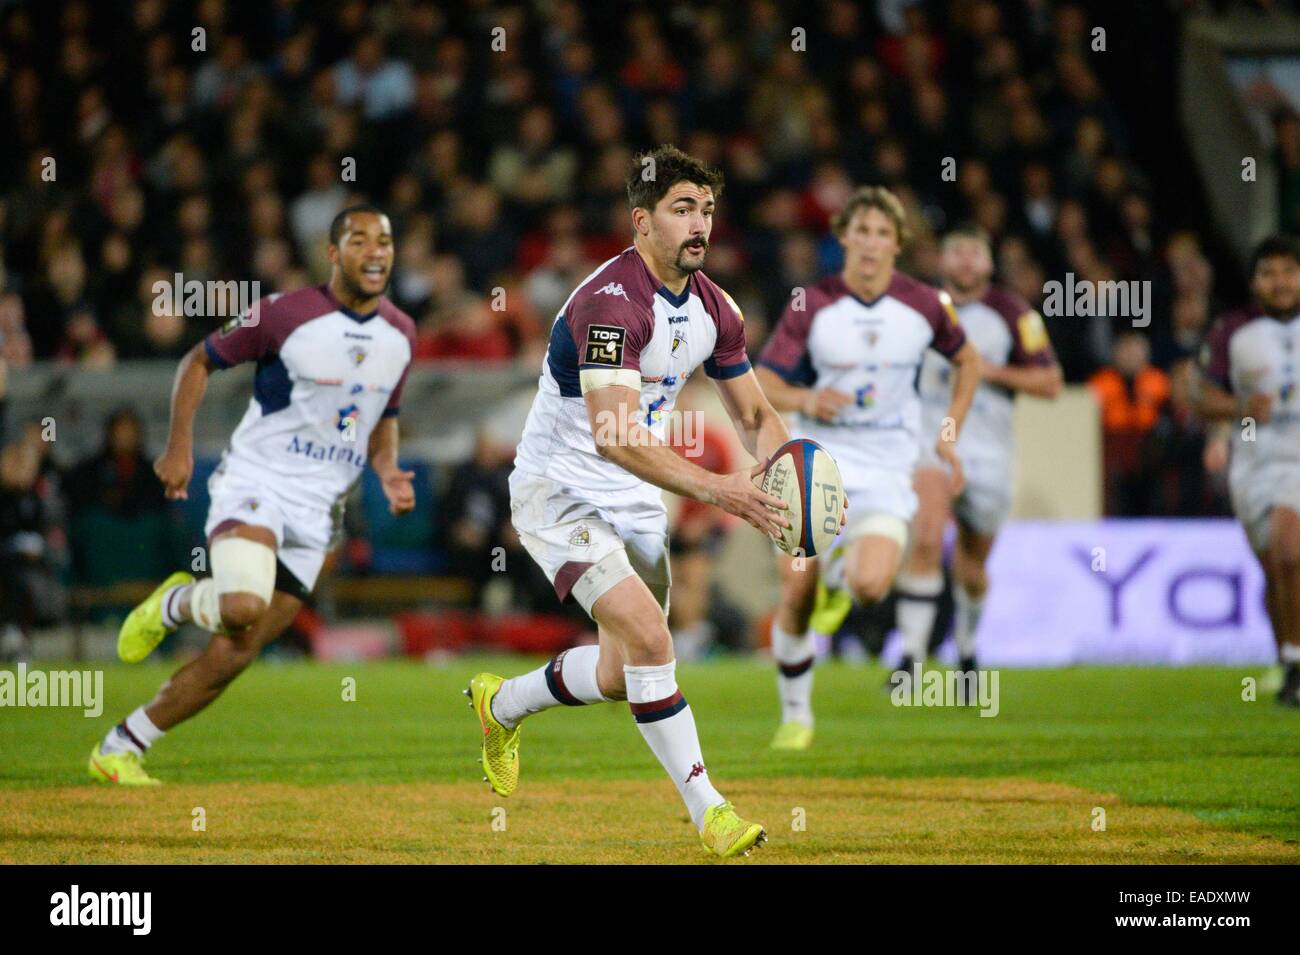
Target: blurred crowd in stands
x=217, y=139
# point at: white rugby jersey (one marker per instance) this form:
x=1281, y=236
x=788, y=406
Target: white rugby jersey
x=1251, y=353
x=621, y=320
x=1005, y=331
x=872, y=351
x=325, y=377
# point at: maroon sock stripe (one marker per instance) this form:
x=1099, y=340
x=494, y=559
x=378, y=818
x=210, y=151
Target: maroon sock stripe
x=659, y=709
x=555, y=682
x=126, y=731
x=795, y=669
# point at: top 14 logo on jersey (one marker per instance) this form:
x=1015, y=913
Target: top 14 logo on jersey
x=604, y=345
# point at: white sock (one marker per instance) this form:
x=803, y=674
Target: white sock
x=918, y=605
x=668, y=726
x=568, y=679
x=967, y=622
x=794, y=656
x=135, y=734
x=1289, y=652
x=171, y=605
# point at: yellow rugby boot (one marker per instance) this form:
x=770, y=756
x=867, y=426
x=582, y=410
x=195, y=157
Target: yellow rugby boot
x=500, y=745
x=120, y=769
x=725, y=834
x=143, y=628
x=793, y=735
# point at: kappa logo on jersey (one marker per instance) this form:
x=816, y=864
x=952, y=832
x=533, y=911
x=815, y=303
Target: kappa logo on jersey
x=357, y=354
x=580, y=538
x=605, y=345
x=348, y=417
x=613, y=288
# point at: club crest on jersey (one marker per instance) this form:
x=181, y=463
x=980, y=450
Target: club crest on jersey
x=865, y=396
x=348, y=418
x=604, y=345
x=357, y=354
x=872, y=338
x=613, y=288
x=581, y=537
x=679, y=338
x=1287, y=392
x=252, y=504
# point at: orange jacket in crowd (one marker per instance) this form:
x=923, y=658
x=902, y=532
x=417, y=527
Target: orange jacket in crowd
x=1130, y=410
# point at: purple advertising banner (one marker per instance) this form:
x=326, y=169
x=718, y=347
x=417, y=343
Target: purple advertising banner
x=1124, y=591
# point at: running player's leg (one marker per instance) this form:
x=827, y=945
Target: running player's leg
x=794, y=650
x=203, y=679
x=227, y=655
x=970, y=585
x=240, y=588
x=920, y=585
x=635, y=622
x=1284, y=583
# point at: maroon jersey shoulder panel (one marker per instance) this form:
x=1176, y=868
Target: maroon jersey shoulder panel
x=1215, y=352
x=611, y=318
x=729, y=357
x=1030, y=342
x=263, y=330
x=787, y=346
x=948, y=337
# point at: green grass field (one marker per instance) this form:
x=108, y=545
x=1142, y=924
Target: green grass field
x=286, y=770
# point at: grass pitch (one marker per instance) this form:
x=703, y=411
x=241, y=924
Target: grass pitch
x=285, y=770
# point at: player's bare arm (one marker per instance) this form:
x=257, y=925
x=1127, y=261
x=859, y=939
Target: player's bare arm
x=620, y=438
x=966, y=378
x=1042, y=381
x=175, y=465
x=760, y=428
x=820, y=403
x=1216, y=404
x=383, y=458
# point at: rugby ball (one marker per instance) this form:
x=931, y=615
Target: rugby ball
x=804, y=475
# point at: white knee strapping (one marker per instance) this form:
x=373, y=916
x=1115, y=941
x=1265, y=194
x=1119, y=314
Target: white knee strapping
x=881, y=525
x=238, y=567
x=600, y=578
x=242, y=566
x=205, y=605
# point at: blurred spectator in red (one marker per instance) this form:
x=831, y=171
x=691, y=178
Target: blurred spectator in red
x=469, y=330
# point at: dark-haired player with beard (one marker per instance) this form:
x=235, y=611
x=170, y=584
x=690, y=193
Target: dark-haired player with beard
x=1251, y=374
x=585, y=493
x=331, y=361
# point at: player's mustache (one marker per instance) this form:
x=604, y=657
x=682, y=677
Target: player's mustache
x=698, y=240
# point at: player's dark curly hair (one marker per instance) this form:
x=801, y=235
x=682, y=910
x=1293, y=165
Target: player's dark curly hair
x=651, y=174
x=340, y=220
x=1274, y=246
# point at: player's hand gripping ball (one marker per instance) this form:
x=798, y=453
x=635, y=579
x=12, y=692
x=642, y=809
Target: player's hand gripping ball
x=804, y=475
